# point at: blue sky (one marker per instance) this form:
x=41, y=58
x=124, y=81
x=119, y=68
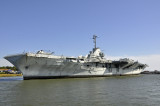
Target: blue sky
x=125, y=27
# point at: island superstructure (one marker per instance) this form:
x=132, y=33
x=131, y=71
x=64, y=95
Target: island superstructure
x=47, y=65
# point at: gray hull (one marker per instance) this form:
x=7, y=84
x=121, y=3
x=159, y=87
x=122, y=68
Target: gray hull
x=48, y=66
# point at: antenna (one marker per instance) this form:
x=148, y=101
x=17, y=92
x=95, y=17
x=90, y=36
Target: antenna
x=94, y=40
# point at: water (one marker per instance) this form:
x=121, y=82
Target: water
x=141, y=90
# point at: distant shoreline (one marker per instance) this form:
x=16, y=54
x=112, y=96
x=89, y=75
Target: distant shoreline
x=151, y=72
x=10, y=75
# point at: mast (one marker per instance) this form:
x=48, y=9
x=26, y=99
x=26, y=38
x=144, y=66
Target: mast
x=94, y=40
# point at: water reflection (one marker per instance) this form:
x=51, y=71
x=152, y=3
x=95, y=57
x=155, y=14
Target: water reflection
x=11, y=78
x=135, y=90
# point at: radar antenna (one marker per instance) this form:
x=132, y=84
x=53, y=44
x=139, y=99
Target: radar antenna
x=94, y=40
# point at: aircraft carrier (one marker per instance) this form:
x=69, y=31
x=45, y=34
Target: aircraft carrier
x=44, y=65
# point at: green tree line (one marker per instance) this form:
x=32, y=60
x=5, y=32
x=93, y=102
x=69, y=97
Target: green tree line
x=9, y=67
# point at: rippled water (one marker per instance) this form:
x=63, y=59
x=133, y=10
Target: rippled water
x=141, y=90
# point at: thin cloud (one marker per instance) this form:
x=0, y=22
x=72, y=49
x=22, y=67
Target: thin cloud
x=153, y=61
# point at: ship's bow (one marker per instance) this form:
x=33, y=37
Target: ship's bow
x=15, y=59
